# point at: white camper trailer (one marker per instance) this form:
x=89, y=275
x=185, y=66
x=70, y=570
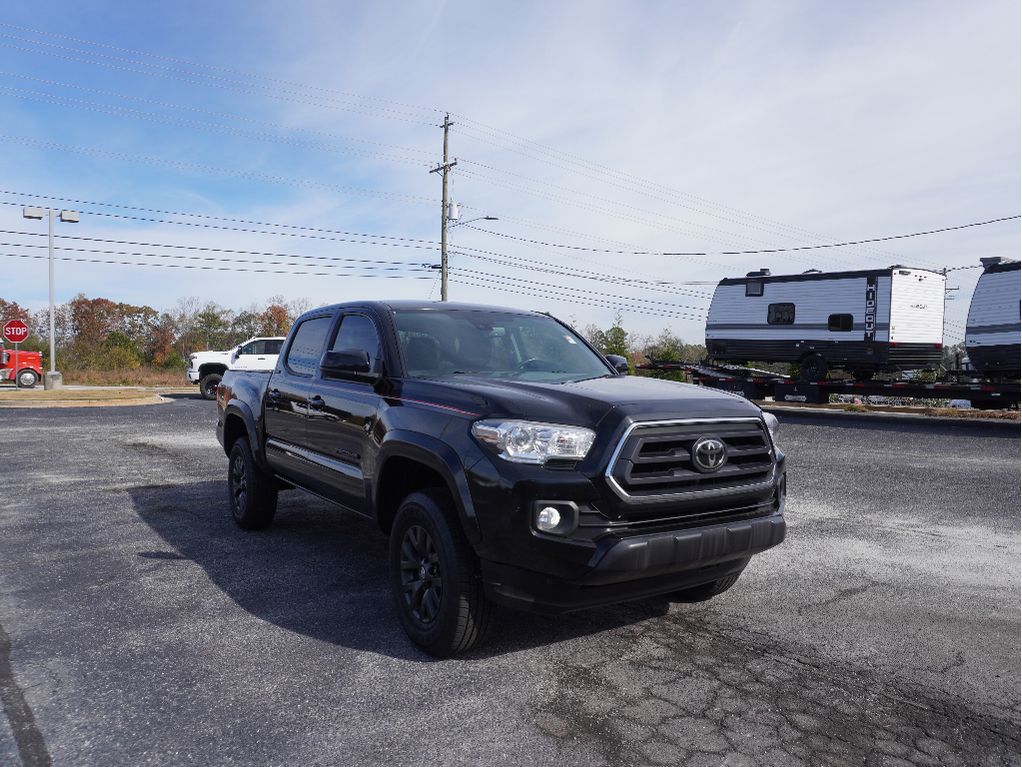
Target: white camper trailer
x=864, y=321
x=992, y=335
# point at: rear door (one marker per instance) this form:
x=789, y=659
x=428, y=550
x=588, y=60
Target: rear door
x=287, y=399
x=342, y=414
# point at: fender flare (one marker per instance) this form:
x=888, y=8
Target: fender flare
x=244, y=412
x=440, y=457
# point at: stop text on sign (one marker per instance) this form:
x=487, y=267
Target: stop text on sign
x=15, y=332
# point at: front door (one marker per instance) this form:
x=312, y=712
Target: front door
x=342, y=414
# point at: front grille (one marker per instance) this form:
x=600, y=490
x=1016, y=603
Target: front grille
x=655, y=460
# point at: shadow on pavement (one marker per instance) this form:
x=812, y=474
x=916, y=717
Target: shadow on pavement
x=322, y=572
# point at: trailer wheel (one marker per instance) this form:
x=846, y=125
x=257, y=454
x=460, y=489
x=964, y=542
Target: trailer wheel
x=862, y=375
x=813, y=368
x=27, y=378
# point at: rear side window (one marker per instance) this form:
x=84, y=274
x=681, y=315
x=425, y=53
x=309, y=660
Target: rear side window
x=358, y=332
x=307, y=346
x=840, y=322
x=781, y=314
x=273, y=346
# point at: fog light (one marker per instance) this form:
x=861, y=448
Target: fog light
x=548, y=519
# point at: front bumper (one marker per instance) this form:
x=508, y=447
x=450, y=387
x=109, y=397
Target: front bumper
x=638, y=567
x=193, y=376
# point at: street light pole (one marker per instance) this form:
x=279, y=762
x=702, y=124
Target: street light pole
x=53, y=379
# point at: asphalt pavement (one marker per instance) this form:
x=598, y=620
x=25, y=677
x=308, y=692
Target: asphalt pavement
x=139, y=626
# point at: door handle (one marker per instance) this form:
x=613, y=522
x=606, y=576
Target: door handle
x=316, y=403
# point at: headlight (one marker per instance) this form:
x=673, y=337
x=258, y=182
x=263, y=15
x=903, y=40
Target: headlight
x=527, y=442
x=773, y=425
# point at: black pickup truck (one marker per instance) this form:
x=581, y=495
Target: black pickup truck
x=508, y=461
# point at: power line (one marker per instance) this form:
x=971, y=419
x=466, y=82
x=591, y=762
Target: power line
x=118, y=111
x=751, y=252
x=123, y=64
x=217, y=268
x=216, y=68
x=211, y=217
x=219, y=171
x=206, y=249
x=335, y=137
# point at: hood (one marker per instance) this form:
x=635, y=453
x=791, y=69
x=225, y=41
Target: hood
x=581, y=402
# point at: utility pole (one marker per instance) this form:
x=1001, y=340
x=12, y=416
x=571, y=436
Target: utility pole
x=443, y=169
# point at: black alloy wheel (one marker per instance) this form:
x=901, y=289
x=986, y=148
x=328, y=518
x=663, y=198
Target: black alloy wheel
x=251, y=491
x=435, y=576
x=814, y=368
x=422, y=582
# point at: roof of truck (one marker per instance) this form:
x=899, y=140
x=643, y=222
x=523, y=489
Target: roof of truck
x=408, y=305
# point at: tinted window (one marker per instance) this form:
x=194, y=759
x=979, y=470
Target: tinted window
x=442, y=343
x=358, y=332
x=251, y=348
x=781, y=314
x=842, y=322
x=307, y=347
x=273, y=346
x=753, y=288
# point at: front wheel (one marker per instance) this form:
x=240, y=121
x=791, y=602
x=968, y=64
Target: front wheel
x=435, y=578
x=208, y=385
x=251, y=492
x=27, y=379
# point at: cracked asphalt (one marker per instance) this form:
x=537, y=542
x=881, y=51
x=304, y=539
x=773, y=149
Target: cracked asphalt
x=139, y=626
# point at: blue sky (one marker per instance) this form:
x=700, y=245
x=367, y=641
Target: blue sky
x=634, y=126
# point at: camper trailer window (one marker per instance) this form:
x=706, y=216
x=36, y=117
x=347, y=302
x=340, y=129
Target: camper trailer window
x=842, y=322
x=753, y=288
x=781, y=314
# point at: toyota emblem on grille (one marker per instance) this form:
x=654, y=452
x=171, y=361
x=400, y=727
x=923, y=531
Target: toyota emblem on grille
x=709, y=454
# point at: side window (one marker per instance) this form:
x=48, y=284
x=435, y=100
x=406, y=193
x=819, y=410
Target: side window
x=307, y=346
x=250, y=348
x=781, y=314
x=273, y=346
x=358, y=332
x=754, y=288
x=841, y=322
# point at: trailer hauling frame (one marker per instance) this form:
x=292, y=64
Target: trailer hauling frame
x=760, y=384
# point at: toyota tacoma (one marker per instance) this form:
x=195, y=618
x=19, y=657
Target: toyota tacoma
x=508, y=461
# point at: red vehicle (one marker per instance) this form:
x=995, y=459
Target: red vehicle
x=23, y=368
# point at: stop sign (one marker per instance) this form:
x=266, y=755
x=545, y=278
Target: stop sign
x=15, y=332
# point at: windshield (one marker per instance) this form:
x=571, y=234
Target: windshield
x=438, y=343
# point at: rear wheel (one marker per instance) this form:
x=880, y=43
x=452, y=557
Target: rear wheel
x=813, y=368
x=27, y=379
x=707, y=590
x=208, y=385
x=251, y=492
x=862, y=375
x=435, y=578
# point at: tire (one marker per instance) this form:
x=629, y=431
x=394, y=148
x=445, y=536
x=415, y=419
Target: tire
x=862, y=376
x=813, y=368
x=208, y=385
x=706, y=590
x=251, y=492
x=435, y=577
x=27, y=378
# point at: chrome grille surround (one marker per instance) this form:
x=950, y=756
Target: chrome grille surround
x=679, y=483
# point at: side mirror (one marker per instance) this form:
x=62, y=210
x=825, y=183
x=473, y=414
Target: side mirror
x=235, y=353
x=347, y=363
x=620, y=363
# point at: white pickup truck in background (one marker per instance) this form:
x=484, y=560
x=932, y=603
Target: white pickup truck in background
x=207, y=368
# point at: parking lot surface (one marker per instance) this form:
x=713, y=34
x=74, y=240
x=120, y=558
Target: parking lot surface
x=139, y=626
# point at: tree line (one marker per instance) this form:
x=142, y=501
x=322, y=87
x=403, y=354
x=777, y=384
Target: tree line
x=100, y=334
